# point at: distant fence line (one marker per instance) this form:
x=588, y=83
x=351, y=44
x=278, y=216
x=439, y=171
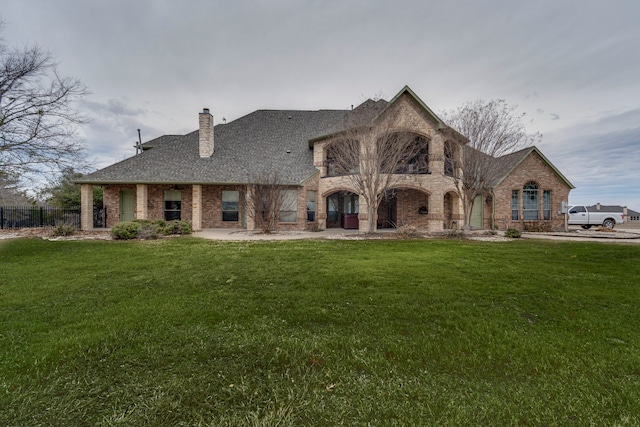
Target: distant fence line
x=15, y=217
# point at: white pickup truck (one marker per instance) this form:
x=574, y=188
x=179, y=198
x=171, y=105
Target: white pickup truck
x=587, y=216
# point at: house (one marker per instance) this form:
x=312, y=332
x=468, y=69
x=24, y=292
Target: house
x=206, y=177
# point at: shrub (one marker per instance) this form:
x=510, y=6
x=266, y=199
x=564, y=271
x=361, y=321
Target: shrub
x=126, y=230
x=145, y=229
x=315, y=228
x=64, y=230
x=177, y=227
x=149, y=231
x=408, y=232
x=537, y=226
x=514, y=233
x=454, y=234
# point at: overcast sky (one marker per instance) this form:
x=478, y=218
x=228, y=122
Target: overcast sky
x=572, y=66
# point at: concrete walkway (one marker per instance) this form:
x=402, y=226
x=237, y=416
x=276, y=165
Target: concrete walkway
x=235, y=234
x=631, y=236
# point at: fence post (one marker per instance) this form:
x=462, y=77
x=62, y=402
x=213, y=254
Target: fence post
x=1, y=218
x=41, y=217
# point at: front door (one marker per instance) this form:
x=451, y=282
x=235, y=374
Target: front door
x=476, y=213
x=127, y=205
x=387, y=213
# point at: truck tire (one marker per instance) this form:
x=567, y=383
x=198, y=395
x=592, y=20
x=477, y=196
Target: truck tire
x=586, y=227
x=609, y=223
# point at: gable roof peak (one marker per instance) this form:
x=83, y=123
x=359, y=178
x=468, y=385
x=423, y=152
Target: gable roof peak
x=440, y=124
x=513, y=160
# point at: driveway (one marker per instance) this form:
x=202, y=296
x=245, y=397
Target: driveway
x=621, y=234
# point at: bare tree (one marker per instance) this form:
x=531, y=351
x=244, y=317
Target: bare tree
x=11, y=194
x=266, y=198
x=38, y=119
x=494, y=129
x=371, y=151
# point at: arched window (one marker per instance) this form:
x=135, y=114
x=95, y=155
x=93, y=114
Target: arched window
x=342, y=157
x=416, y=158
x=530, y=202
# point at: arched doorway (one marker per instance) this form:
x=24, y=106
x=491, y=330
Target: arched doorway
x=388, y=211
x=404, y=206
x=342, y=210
x=451, y=206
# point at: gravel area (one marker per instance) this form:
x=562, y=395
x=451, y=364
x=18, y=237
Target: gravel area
x=626, y=235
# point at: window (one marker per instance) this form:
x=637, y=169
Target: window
x=577, y=209
x=230, y=205
x=530, y=202
x=172, y=205
x=331, y=163
x=311, y=206
x=288, y=206
x=342, y=158
x=448, y=160
x=515, y=205
x=350, y=204
x=546, y=204
x=419, y=163
x=333, y=203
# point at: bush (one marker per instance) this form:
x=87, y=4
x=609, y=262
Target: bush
x=64, y=230
x=145, y=229
x=177, y=227
x=315, y=228
x=454, y=234
x=408, y=232
x=514, y=233
x=538, y=226
x=126, y=230
x=149, y=231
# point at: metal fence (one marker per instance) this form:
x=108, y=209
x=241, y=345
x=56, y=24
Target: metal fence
x=37, y=216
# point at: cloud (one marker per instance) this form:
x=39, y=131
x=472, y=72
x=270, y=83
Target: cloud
x=600, y=157
x=112, y=129
x=117, y=107
x=154, y=64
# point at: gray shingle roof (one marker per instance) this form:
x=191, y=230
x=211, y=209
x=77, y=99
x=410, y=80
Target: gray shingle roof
x=509, y=162
x=263, y=141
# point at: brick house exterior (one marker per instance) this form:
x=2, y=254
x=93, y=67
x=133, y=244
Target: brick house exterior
x=207, y=177
x=532, y=176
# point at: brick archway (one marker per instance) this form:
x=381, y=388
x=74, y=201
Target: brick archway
x=452, y=215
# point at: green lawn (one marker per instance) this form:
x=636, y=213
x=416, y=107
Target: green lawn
x=319, y=333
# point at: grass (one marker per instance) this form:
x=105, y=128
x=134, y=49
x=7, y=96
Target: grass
x=323, y=333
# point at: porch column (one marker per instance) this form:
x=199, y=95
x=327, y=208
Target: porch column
x=436, y=212
x=248, y=211
x=86, y=207
x=321, y=211
x=436, y=145
x=363, y=219
x=196, y=215
x=142, y=195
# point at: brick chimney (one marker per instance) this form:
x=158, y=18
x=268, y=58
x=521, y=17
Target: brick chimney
x=598, y=206
x=206, y=133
